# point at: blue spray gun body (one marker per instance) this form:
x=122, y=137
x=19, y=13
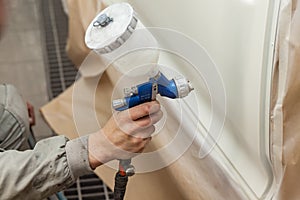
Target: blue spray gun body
x=175, y=88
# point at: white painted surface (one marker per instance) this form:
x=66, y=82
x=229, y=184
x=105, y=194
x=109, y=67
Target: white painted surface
x=234, y=32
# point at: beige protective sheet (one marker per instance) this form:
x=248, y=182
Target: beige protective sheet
x=285, y=107
x=190, y=177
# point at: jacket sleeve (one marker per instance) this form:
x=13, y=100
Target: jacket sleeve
x=53, y=165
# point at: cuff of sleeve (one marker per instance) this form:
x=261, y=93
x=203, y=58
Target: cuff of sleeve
x=77, y=156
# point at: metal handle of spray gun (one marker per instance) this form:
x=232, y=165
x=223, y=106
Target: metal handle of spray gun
x=178, y=87
x=126, y=169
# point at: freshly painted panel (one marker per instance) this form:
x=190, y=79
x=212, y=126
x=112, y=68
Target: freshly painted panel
x=236, y=36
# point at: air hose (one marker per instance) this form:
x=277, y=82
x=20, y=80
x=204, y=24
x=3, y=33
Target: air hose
x=120, y=186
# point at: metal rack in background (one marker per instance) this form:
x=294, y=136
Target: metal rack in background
x=89, y=187
x=60, y=73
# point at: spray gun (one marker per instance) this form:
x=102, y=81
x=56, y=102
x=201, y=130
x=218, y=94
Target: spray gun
x=177, y=87
x=111, y=34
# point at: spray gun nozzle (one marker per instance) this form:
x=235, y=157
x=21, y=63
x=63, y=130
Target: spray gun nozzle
x=184, y=86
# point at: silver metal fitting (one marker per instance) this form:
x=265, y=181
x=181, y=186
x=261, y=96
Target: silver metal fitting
x=118, y=103
x=103, y=20
x=128, y=167
x=130, y=170
x=184, y=86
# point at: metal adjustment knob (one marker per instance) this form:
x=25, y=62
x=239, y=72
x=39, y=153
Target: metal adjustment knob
x=103, y=20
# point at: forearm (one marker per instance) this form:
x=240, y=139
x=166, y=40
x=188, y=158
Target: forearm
x=55, y=163
x=38, y=173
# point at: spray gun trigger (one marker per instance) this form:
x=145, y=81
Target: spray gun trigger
x=154, y=91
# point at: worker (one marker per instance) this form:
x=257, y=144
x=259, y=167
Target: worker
x=55, y=163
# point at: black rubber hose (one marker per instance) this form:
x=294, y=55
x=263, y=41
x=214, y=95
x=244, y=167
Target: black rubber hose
x=120, y=186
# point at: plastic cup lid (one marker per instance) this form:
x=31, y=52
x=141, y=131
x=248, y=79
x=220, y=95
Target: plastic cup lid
x=111, y=28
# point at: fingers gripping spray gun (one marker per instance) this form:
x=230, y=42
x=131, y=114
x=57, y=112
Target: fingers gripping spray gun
x=111, y=34
x=178, y=87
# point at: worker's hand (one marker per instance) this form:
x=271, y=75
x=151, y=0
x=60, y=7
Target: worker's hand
x=125, y=134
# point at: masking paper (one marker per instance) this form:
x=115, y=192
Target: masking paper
x=285, y=105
